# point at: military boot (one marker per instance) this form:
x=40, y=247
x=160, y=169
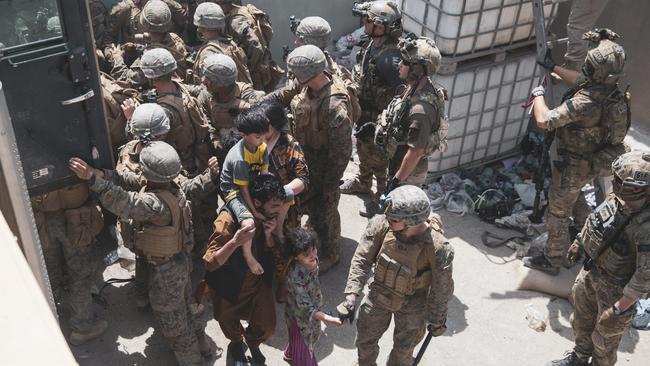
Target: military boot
x=237, y=352
x=258, y=358
x=79, y=337
x=352, y=186
x=540, y=263
x=569, y=359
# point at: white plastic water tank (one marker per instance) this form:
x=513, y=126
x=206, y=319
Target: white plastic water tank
x=467, y=26
x=486, y=118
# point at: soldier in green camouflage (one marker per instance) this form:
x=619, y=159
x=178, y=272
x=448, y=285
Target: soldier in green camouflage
x=412, y=279
x=211, y=23
x=321, y=113
x=616, y=242
x=590, y=124
x=413, y=125
x=377, y=73
x=163, y=216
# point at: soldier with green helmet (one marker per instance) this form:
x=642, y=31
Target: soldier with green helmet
x=377, y=74
x=412, y=279
x=211, y=23
x=615, y=274
x=590, y=125
x=223, y=98
x=162, y=216
x=251, y=28
x=322, y=125
x=413, y=125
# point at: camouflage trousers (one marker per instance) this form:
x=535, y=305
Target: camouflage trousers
x=567, y=187
x=410, y=326
x=372, y=162
x=66, y=243
x=598, y=332
x=169, y=294
x=322, y=206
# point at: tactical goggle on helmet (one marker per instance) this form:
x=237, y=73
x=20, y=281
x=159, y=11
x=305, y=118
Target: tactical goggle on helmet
x=420, y=50
x=385, y=13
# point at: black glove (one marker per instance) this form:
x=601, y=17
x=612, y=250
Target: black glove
x=365, y=132
x=548, y=63
x=394, y=183
x=345, y=311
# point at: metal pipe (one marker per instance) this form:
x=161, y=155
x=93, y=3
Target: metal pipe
x=20, y=204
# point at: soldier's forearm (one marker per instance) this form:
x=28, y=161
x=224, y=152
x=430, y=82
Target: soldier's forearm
x=410, y=161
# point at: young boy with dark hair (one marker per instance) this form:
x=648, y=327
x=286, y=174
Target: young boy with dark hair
x=247, y=159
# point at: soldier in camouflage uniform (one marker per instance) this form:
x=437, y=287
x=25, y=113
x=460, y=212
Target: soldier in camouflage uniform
x=67, y=222
x=123, y=21
x=24, y=22
x=591, y=124
x=377, y=73
x=413, y=125
x=162, y=214
x=223, y=98
x=150, y=123
x=190, y=132
x=412, y=278
x=251, y=29
x=322, y=126
x=616, y=241
x=156, y=20
x=211, y=23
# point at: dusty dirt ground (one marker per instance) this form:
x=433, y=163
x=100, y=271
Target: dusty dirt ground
x=486, y=322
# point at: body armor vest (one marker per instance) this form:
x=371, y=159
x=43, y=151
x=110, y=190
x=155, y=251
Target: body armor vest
x=373, y=96
x=114, y=96
x=163, y=242
x=309, y=130
x=128, y=161
x=401, y=269
x=618, y=260
x=67, y=198
x=222, y=115
x=176, y=46
x=191, y=134
x=607, y=128
x=225, y=46
x=393, y=124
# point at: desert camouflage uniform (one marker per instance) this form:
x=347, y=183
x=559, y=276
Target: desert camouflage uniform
x=168, y=278
x=577, y=121
x=67, y=223
x=172, y=43
x=224, y=45
x=623, y=269
x=222, y=114
x=377, y=75
x=426, y=302
x=322, y=127
x=123, y=20
x=243, y=27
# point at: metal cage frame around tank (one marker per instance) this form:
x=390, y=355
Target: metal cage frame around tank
x=473, y=151
x=512, y=43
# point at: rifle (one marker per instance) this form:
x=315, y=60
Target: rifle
x=549, y=136
x=427, y=340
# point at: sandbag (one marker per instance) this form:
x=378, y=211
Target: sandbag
x=534, y=280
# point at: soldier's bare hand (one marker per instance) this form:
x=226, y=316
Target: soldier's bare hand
x=81, y=169
x=213, y=165
x=128, y=107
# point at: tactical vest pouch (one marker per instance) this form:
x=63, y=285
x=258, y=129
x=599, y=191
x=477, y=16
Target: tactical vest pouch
x=615, y=118
x=160, y=242
x=380, y=268
x=602, y=160
x=404, y=281
x=600, y=227
x=385, y=297
x=83, y=224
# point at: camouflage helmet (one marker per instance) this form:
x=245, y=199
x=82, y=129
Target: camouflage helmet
x=385, y=13
x=156, y=17
x=605, y=59
x=54, y=25
x=157, y=62
x=160, y=162
x=149, y=119
x=314, y=30
x=631, y=172
x=306, y=62
x=219, y=69
x=209, y=16
x=408, y=204
x=423, y=51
